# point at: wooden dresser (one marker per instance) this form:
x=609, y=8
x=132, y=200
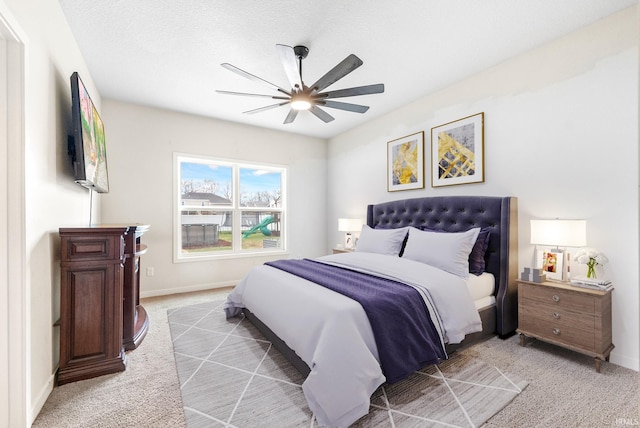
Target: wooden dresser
x=572, y=317
x=100, y=312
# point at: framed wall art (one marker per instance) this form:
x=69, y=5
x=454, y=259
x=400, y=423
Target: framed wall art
x=405, y=163
x=457, y=152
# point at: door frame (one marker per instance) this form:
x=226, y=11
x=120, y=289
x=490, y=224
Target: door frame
x=14, y=293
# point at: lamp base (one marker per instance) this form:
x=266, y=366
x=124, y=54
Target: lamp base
x=348, y=241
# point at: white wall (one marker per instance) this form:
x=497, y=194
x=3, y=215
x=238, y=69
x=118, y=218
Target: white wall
x=561, y=134
x=140, y=146
x=52, y=199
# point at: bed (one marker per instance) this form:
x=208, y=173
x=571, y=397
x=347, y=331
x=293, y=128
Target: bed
x=328, y=337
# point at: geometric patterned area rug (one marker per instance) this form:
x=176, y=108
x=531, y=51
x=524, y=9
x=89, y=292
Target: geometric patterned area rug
x=231, y=376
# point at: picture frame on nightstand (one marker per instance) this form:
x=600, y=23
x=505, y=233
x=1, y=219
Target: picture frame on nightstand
x=551, y=262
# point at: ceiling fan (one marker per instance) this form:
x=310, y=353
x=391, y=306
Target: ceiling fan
x=303, y=97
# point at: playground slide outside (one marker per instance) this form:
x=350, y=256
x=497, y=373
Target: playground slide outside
x=262, y=227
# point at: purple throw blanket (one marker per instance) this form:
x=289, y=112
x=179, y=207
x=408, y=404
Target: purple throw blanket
x=405, y=335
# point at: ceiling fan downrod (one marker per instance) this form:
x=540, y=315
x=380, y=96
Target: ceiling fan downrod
x=301, y=53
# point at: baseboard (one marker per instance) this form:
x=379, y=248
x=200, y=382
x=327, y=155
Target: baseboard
x=38, y=403
x=178, y=290
x=624, y=361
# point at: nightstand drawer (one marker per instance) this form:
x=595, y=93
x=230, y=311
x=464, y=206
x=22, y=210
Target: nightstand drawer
x=558, y=316
x=569, y=335
x=557, y=297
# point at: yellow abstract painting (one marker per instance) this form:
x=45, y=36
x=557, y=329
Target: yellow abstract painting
x=405, y=162
x=457, y=152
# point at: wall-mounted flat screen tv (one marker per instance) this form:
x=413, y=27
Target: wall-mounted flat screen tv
x=88, y=149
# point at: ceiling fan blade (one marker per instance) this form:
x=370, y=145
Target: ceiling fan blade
x=290, y=64
x=291, y=116
x=251, y=95
x=261, y=109
x=321, y=114
x=357, y=108
x=253, y=77
x=347, y=65
x=351, y=92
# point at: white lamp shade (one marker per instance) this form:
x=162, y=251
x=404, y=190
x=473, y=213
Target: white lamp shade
x=565, y=233
x=350, y=224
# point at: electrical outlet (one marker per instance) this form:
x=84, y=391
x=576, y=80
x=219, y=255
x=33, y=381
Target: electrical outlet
x=150, y=271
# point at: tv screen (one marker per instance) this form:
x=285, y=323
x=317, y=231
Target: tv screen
x=88, y=149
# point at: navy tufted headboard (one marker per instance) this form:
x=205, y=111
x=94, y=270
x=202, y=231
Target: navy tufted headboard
x=460, y=213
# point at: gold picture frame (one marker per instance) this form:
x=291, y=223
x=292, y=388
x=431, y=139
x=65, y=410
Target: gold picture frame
x=457, y=152
x=405, y=163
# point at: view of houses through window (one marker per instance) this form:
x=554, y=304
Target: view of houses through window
x=227, y=207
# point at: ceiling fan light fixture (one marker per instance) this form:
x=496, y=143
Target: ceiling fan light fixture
x=300, y=103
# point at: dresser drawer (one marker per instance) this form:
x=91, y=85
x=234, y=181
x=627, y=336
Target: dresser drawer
x=556, y=315
x=557, y=297
x=570, y=335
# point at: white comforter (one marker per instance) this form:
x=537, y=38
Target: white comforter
x=331, y=332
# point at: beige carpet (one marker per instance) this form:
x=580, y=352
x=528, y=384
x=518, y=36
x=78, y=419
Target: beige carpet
x=230, y=375
x=146, y=394
x=564, y=389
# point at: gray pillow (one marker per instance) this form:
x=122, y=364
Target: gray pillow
x=446, y=251
x=381, y=241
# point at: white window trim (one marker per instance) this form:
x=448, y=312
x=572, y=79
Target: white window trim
x=237, y=253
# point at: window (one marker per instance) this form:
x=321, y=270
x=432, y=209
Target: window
x=228, y=208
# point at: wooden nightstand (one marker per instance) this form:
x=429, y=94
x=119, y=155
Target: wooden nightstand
x=572, y=317
x=342, y=250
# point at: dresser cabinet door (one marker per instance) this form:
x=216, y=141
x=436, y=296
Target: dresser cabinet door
x=91, y=304
x=92, y=321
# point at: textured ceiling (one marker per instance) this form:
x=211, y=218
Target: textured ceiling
x=167, y=53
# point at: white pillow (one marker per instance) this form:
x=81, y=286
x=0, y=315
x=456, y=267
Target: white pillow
x=381, y=241
x=446, y=251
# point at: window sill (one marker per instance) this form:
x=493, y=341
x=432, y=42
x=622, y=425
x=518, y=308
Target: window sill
x=227, y=256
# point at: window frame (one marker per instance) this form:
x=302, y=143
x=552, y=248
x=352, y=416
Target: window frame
x=236, y=250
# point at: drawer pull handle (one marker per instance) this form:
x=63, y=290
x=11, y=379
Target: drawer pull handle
x=556, y=331
x=555, y=298
x=556, y=315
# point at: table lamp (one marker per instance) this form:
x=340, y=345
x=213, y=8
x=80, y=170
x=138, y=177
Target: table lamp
x=349, y=226
x=560, y=233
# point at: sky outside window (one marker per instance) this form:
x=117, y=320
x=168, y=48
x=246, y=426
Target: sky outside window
x=259, y=180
